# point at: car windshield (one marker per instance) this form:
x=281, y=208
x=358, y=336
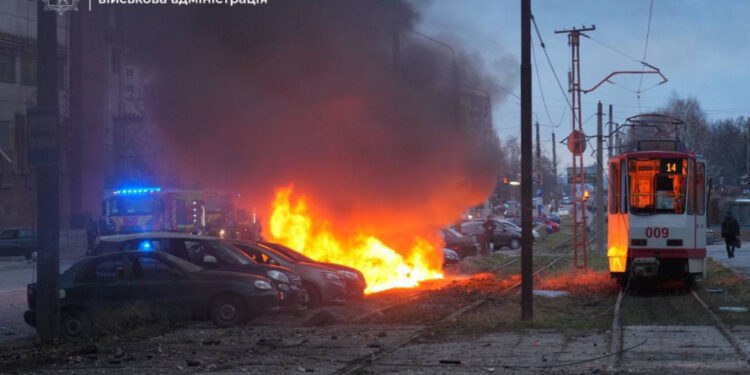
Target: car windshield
x=289, y=253
x=226, y=253
x=183, y=264
x=7, y=234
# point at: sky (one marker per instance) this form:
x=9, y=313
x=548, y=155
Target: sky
x=699, y=45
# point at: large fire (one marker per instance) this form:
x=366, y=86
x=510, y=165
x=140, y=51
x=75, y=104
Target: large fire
x=383, y=267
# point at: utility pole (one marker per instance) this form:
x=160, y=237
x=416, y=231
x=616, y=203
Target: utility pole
x=579, y=144
x=609, y=137
x=556, y=195
x=599, y=181
x=539, y=175
x=527, y=281
x=43, y=155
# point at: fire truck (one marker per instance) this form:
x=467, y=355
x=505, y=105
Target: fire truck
x=144, y=209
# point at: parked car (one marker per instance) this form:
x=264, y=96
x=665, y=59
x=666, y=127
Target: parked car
x=504, y=235
x=515, y=226
x=95, y=287
x=554, y=217
x=211, y=253
x=550, y=226
x=567, y=200
x=17, y=241
x=450, y=258
x=323, y=284
x=355, y=280
x=460, y=243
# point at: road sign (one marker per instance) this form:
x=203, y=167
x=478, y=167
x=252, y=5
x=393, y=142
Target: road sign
x=539, y=192
x=43, y=146
x=576, y=142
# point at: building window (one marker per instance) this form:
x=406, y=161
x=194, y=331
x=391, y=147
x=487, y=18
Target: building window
x=116, y=60
x=28, y=68
x=61, y=73
x=7, y=65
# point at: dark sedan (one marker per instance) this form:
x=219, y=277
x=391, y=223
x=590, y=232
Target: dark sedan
x=355, y=280
x=504, y=234
x=17, y=241
x=95, y=287
x=211, y=253
x=460, y=243
x=324, y=285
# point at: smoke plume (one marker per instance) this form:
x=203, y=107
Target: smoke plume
x=337, y=98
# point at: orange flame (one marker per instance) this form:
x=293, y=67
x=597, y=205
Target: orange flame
x=383, y=267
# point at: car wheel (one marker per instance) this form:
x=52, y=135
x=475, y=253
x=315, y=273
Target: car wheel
x=314, y=298
x=75, y=324
x=515, y=244
x=227, y=311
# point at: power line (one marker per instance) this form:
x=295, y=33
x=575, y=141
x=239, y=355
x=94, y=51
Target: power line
x=645, y=49
x=549, y=61
x=539, y=82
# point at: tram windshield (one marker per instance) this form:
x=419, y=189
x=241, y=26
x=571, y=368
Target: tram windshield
x=657, y=186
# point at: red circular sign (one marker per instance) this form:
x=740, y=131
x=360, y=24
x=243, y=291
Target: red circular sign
x=576, y=142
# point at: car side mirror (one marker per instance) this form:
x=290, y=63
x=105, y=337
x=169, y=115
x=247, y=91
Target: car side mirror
x=210, y=259
x=34, y=256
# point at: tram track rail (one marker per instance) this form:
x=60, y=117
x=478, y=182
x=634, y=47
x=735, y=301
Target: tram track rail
x=618, y=330
x=366, y=360
x=416, y=296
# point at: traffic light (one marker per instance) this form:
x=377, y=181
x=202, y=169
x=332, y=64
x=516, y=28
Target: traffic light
x=506, y=180
x=585, y=195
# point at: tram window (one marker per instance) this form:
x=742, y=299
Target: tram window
x=664, y=193
x=691, y=190
x=614, y=188
x=653, y=191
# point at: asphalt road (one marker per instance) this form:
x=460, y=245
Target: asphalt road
x=15, y=273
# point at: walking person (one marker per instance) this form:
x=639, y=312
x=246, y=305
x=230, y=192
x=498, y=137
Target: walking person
x=489, y=231
x=730, y=230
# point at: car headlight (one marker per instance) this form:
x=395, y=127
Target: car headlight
x=349, y=275
x=278, y=275
x=334, y=278
x=263, y=285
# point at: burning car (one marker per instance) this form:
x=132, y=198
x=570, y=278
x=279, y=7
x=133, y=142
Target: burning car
x=355, y=280
x=96, y=286
x=212, y=253
x=323, y=284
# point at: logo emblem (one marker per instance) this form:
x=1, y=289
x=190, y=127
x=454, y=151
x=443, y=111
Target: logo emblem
x=60, y=6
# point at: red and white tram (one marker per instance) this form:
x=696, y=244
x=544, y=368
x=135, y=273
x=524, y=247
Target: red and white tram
x=656, y=213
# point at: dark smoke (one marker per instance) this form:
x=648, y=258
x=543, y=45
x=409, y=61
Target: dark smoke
x=309, y=93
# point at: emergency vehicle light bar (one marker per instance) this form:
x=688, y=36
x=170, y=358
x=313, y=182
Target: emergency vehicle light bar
x=137, y=191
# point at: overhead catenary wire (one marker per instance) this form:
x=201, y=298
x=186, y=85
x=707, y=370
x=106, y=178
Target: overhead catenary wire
x=541, y=90
x=645, y=49
x=549, y=61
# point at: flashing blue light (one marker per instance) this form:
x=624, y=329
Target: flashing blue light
x=138, y=191
x=145, y=246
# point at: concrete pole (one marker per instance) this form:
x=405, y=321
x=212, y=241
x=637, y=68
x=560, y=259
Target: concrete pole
x=609, y=136
x=599, y=182
x=527, y=282
x=556, y=195
x=47, y=177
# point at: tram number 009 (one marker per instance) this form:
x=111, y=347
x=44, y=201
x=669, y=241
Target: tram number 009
x=656, y=232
